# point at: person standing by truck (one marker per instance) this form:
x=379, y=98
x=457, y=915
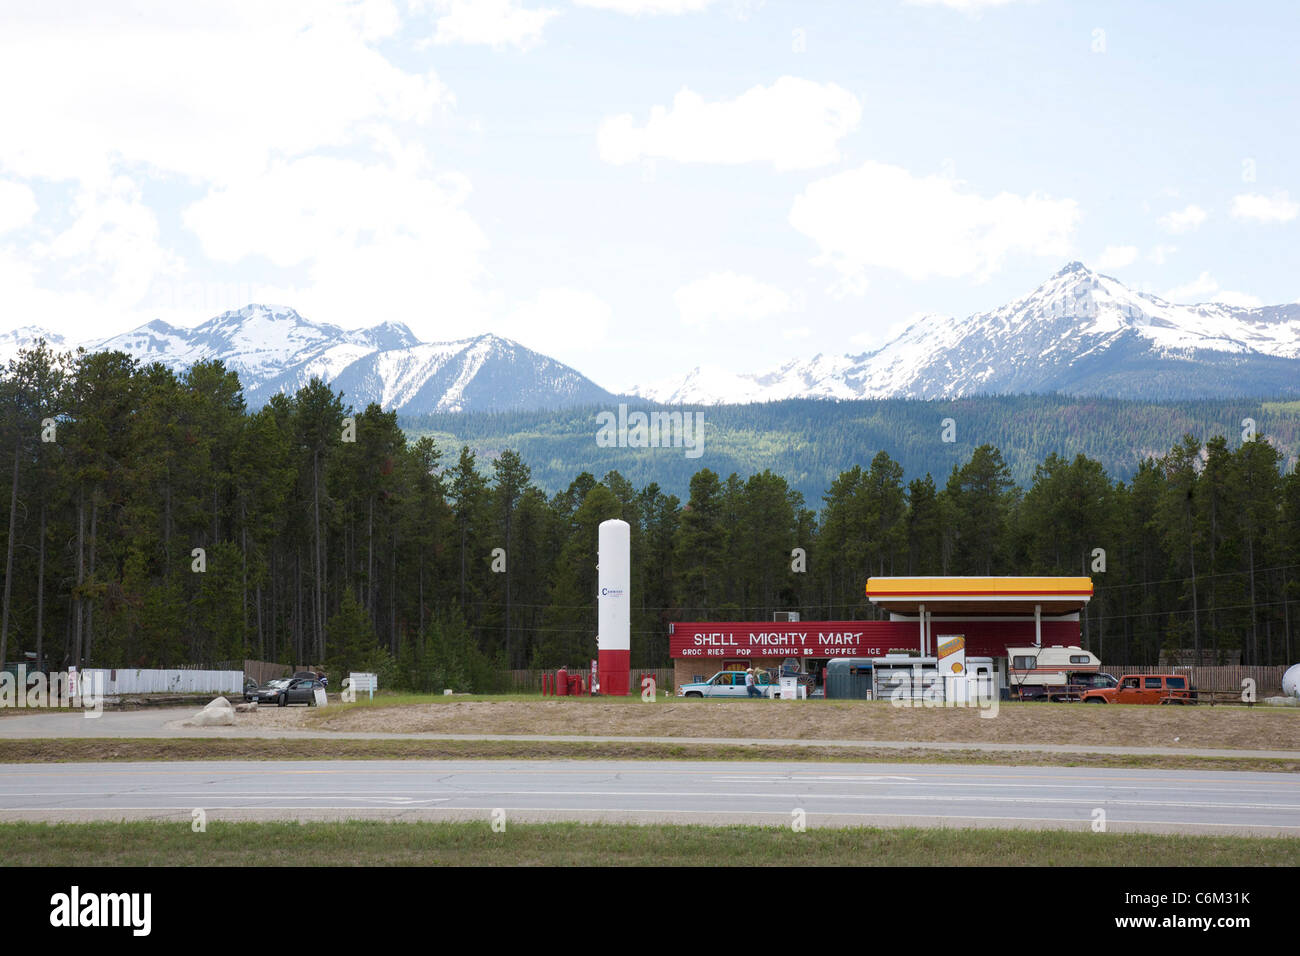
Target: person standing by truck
x=750, y=688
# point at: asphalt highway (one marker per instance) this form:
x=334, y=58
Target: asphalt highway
x=170, y=722
x=1176, y=801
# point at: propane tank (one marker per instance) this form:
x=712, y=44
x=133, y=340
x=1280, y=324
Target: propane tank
x=562, y=682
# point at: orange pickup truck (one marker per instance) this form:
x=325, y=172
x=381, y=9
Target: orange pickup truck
x=1144, y=689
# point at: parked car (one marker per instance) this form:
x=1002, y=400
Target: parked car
x=1076, y=683
x=286, y=690
x=1144, y=689
x=729, y=684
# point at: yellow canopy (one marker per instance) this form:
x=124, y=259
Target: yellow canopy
x=980, y=595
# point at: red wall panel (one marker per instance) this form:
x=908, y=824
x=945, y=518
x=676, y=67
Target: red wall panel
x=693, y=639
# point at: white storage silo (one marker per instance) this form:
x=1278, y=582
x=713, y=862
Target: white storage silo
x=613, y=606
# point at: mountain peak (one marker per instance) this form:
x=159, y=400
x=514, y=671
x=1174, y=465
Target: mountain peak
x=494, y=341
x=160, y=326
x=273, y=349
x=1079, y=332
x=256, y=310
x=388, y=325
x=1072, y=268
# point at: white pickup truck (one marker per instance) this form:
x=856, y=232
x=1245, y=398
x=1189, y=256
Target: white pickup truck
x=730, y=684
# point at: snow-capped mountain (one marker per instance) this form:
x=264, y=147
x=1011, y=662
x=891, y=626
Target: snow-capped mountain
x=274, y=349
x=26, y=336
x=1078, y=333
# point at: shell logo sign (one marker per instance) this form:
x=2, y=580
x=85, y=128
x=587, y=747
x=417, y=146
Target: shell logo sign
x=952, y=653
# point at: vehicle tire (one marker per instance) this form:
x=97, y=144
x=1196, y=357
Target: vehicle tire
x=282, y=700
x=1095, y=700
x=694, y=694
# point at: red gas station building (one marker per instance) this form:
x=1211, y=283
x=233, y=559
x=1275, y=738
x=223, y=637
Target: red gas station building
x=991, y=613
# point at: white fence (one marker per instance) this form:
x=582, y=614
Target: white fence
x=135, y=681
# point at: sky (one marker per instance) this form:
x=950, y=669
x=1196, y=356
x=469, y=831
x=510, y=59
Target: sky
x=638, y=187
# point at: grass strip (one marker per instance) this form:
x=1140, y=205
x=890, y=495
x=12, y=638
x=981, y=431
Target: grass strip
x=375, y=843
x=87, y=750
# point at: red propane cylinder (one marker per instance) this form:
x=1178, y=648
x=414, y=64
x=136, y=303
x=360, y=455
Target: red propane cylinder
x=562, y=682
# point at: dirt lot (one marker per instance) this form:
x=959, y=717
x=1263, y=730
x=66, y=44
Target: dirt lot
x=1257, y=728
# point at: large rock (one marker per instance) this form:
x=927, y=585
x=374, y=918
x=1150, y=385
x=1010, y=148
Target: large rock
x=219, y=713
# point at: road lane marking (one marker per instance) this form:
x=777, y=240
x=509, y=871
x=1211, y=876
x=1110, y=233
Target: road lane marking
x=201, y=795
x=795, y=778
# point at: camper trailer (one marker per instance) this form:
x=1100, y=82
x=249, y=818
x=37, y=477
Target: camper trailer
x=1054, y=673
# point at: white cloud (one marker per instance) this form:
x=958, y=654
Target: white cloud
x=1203, y=286
x=873, y=338
x=1242, y=300
x=1205, y=289
x=968, y=6
x=81, y=278
x=1183, y=220
x=1276, y=208
x=373, y=237
x=302, y=209
x=651, y=7
x=922, y=226
x=1117, y=257
x=1160, y=254
x=792, y=124
x=207, y=92
x=17, y=206
x=495, y=23
x=71, y=311
x=560, y=322
x=725, y=297
x=112, y=245
x=302, y=138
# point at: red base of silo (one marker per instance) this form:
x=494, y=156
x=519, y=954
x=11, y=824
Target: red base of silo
x=614, y=671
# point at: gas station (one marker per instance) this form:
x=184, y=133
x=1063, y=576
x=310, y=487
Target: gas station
x=926, y=614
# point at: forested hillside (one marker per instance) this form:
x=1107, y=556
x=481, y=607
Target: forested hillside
x=809, y=442
x=152, y=519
